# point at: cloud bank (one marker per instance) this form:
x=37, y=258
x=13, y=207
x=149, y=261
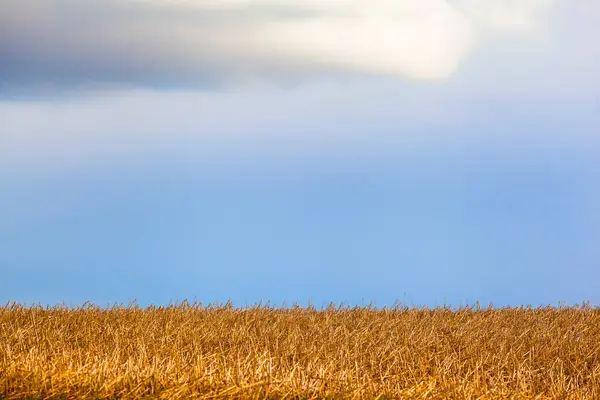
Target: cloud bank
x=165, y=43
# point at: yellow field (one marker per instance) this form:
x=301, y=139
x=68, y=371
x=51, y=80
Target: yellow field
x=191, y=351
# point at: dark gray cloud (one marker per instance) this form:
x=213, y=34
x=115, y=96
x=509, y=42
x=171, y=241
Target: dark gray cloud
x=48, y=46
x=535, y=90
x=54, y=44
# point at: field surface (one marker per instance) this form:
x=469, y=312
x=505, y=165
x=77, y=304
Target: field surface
x=195, y=351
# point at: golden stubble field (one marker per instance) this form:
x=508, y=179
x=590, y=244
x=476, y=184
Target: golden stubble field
x=195, y=351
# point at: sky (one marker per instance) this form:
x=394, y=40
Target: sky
x=439, y=152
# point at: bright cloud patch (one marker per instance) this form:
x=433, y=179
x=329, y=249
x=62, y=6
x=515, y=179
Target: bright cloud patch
x=72, y=43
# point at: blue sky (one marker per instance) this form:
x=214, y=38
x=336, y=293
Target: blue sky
x=354, y=151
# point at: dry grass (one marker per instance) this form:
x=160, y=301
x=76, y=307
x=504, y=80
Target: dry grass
x=192, y=351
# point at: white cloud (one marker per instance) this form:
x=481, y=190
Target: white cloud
x=169, y=43
x=518, y=90
x=506, y=15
